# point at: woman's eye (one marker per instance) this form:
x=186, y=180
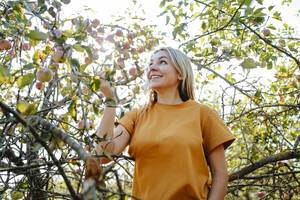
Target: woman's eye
x=163, y=62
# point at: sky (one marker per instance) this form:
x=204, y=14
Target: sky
x=103, y=9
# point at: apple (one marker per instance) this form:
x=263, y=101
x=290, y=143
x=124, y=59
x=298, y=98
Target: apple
x=87, y=60
x=140, y=50
x=298, y=78
x=39, y=85
x=119, y=33
x=77, y=171
x=266, y=32
x=89, y=29
x=95, y=23
x=263, y=64
x=130, y=36
x=100, y=30
x=286, y=197
x=120, y=62
x=44, y=74
x=126, y=45
x=26, y=47
x=85, y=90
x=132, y=71
x=59, y=56
x=261, y=194
x=280, y=164
x=87, y=147
x=5, y=45
x=81, y=125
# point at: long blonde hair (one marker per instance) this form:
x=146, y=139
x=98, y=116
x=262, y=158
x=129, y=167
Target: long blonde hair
x=183, y=65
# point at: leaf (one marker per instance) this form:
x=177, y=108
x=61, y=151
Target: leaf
x=74, y=63
x=72, y=109
x=36, y=35
x=25, y=80
x=249, y=63
x=276, y=15
x=167, y=19
x=78, y=47
x=95, y=85
x=162, y=3
x=26, y=108
x=29, y=66
x=89, y=52
x=270, y=8
x=4, y=74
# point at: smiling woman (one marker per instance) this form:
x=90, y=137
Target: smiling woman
x=172, y=152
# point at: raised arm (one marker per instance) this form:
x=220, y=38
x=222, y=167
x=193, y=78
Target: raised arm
x=119, y=135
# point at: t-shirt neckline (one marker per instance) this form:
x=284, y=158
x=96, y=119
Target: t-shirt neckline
x=174, y=105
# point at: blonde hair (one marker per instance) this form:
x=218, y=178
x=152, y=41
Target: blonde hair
x=183, y=66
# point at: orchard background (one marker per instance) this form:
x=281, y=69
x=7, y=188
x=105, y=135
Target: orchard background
x=246, y=63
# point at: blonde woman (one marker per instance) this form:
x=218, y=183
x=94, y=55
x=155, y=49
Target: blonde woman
x=175, y=140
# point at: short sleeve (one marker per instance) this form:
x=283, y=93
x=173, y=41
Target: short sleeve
x=214, y=130
x=128, y=121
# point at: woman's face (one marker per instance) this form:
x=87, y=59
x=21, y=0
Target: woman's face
x=162, y=73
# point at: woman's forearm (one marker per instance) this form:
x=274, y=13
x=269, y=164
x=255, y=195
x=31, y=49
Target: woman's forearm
x=219, y=186
x=106, y=130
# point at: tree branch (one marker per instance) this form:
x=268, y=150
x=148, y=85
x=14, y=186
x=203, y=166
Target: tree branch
x=44, y=144
x=256, y=165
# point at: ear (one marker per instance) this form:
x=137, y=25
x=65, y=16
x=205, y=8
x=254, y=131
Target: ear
x=180, y=77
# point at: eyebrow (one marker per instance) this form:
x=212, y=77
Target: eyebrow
x=159, y=58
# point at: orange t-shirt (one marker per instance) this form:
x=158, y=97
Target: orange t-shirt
x=169, y=144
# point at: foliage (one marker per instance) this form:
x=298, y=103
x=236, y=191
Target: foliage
x=238, y=44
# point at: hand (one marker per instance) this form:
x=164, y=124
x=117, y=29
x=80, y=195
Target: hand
x=105, y=85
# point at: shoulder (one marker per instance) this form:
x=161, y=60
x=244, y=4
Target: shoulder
x=202, y=107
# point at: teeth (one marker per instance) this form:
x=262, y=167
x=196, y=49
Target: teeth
x=152, y=77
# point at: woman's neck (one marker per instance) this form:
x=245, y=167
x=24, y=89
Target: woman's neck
x=168, y=97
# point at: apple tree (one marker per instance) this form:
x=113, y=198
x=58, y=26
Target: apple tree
x=50, y=103
x=246, y=63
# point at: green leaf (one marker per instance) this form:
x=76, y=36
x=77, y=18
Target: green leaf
x=25, y=80
x=36, y=35
x=211, y=76
x=74, y=63
x=78, y=47
x=29, y=66
x=4, y=74
x=276, y=15
x=162, y=3
x=95, y=84
x=167, y=19
x=89, y=52
x=249, y=63
x=270, y=8
x=72, y=108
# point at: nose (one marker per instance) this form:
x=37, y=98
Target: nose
x=152, y=67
